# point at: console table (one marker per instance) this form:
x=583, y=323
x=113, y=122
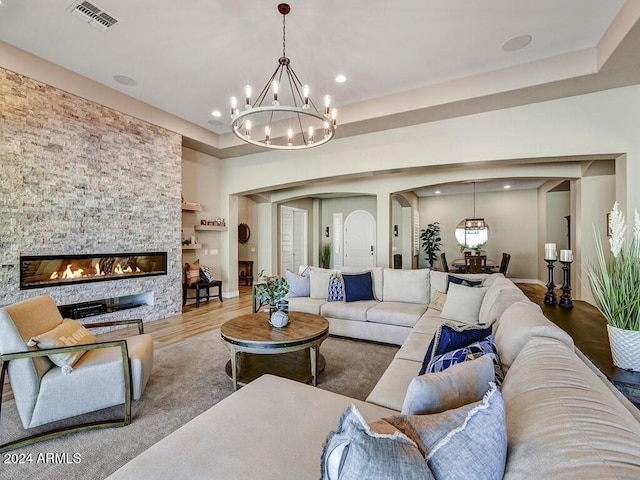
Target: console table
x=245, y=272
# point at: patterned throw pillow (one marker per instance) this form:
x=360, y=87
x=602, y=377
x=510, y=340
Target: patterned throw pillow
x=205, y=273
x=192, y=272
x=69, y=333
x=450, y=336
x=486, y=346
x=336, y=289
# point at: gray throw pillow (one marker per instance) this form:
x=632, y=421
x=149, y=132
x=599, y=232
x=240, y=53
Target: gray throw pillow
x=299, y=285
x=463, y=303
x=466, y=442
x=458, y=385
x=355, y=451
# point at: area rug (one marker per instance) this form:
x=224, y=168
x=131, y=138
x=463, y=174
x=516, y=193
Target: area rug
x=188, y=378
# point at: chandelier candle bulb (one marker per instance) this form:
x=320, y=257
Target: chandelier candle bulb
x=234, y=107
x=267, y=133
x=275, y=86
x=290, y=137
x=247, y=94
x=247, y=127
x=550, y=251
x=566, y=256
x=310, y=134
x=305, y=94
x=334, y=117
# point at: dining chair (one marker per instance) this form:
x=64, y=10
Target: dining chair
x=504, y=264
x=445, y=265
x=475, y=264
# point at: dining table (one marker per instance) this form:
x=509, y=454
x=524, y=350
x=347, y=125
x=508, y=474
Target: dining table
x=459, y=265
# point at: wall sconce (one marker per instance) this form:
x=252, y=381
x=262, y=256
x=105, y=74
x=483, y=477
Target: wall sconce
x=395, y=230
x=326, y=232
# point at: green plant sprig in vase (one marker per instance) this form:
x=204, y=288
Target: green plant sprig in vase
x=272, y=290
x=614, y=279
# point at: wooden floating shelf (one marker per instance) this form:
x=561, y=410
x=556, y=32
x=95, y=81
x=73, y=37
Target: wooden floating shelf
x=193, y=246
x=211, y=228
x=191, y=207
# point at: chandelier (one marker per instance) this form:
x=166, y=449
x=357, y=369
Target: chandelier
x=283, y=116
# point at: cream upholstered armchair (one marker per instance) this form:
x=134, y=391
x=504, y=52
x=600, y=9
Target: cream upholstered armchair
x=51, y=384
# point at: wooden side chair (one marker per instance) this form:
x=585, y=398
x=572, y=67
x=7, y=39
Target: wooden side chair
x=52, y=383
x=476, y=264
x=504, y=264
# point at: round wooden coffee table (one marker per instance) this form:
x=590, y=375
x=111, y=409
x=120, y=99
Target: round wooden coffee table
x=257, y=347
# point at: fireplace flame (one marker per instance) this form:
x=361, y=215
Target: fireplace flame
x=70, y=273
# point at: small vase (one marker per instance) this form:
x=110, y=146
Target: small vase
x=278, y=319
x=625, y=348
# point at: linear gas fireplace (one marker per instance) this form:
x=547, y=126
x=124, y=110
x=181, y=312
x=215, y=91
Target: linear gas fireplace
x=57, y=270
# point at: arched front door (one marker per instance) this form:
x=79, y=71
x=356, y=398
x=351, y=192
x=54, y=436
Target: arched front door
x=360, y=239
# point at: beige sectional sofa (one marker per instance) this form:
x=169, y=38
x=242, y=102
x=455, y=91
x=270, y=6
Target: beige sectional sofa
x=563, y=419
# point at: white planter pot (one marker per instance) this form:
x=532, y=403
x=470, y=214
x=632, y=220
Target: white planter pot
x=625, y=348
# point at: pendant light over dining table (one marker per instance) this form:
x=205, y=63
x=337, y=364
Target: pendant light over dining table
x=474, y=223
x=283, y=116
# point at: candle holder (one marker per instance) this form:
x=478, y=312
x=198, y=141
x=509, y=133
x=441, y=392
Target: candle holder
x=550, y=296
x=565, y=299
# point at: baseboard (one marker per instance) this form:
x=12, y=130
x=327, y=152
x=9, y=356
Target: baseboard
x=527, y=280
x=235, y=293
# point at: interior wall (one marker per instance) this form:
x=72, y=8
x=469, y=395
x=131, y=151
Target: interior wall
x=201, y=184
x=558, y=206
x=511, y=216
x=248, y=213
x=80, y=178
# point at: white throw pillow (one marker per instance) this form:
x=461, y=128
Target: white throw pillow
x=67, y=334
x=319, y=282
x=463, y=303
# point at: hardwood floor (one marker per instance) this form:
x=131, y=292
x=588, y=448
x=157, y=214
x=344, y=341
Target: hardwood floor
x=190, y=322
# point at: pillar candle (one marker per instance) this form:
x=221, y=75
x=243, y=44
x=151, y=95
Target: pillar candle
x=566, y=256
x=550, y=251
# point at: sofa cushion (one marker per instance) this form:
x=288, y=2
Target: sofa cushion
x=455, y=387
x=428, y=323
x=440, y=280
x=407, y=286
x=306, y=304
x=392, y=387
x=395, y=313
x=299, y=285
x=463, y=303
x=358, y=286
x=69, y=333
x=451, y=336
x=465, y=442
x=415, y=347
x=492, y=294
x=336, y=289
x=500, y=295
x=562, y=420
x=347, y=311
x=518, y=324
x=319, y=282
x=355, y=451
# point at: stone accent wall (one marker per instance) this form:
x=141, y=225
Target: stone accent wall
x=77, y=177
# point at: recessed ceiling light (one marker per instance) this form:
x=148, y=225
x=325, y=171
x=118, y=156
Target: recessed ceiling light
x=124, y=80
x=438, y=192
x=507, y=187
x=516, y=43
x=216, y=113
x=341, y=78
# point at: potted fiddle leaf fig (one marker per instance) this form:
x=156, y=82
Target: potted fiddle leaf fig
x=431, y=242
x=614, y=277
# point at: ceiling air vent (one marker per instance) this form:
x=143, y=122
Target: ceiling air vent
x=93, y=15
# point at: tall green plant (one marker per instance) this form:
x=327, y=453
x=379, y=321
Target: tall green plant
x=431, y=242
x=615, y=278
x=325, y=255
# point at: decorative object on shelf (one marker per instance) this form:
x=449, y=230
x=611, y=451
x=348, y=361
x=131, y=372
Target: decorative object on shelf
x=550, y=256
x=614, y=283
x=431, y=242
x=279, y=319
x=290, y=107
x=565, y=299
x=272, y=290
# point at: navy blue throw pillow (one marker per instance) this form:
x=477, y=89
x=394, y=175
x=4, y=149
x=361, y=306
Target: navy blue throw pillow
x=358, y=286
x=463, y=281
x=448, y=338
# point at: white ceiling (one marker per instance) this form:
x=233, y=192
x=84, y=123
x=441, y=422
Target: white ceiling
x=189, y=57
